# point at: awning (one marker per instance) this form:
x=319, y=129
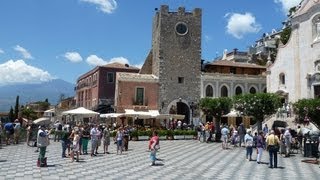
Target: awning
x=42, y=121
x=111, y=115
x=141, y=114
x=79, y=111
x=170, y=116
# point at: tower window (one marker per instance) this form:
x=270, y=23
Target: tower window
x=181, y=28
x=180, y=80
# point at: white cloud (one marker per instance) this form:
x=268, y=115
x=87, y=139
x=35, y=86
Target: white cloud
x=287, y=4
x=94, y=60
x=241, y=24
x=1, y=51
x=15, y=72
x=73, y=56
x=25, y=54
x=106, y=6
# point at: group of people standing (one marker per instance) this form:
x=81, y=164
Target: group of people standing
x=11, y=131
x=263, y=140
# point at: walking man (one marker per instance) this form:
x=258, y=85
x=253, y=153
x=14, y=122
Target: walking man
x=273, y=147
x=42, y=142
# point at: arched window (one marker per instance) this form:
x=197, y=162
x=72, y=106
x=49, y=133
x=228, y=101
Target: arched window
x=253, y=90
x=209, y=91
x=282, y=78
x=224, y=91
x=316, y=28
x=265, y=90
x=238, y=90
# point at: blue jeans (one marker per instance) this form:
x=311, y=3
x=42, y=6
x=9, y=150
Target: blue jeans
x=64, y=147
x=273, y=157
x=249, y=152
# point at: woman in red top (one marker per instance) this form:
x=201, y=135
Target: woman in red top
x=154, y=146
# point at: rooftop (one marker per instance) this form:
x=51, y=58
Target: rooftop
x=136, y=77
x=235, y=64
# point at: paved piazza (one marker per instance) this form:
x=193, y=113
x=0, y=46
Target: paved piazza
x=181, y=159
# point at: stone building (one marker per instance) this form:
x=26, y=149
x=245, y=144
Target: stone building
x=95, y=89
x=171, y=80
x=295, y=74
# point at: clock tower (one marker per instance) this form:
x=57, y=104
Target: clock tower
x=176, y=59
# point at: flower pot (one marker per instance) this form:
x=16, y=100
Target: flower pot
x=162, y=137
x=135, y=138
x=143, y=138
x=188, y=136
x=170, y=137
x=178, y=137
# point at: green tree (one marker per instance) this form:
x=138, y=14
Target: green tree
x=307, y=110
x=11, y=115
x=29, y=113
x=16, y=108
x=285, y=35
x=216, y=107
x=257, y=105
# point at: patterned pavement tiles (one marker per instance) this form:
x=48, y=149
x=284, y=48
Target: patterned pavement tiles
x=179, y=159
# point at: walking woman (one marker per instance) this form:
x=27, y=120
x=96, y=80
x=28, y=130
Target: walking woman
x=76, y=146
x=106, y=139
x=260, y=146
x=85, y=139
x=119, y=138
x=154, y=146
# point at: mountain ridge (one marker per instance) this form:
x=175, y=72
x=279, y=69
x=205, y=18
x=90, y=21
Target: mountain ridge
x=51, y=90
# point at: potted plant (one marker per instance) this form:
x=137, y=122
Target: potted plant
x=162, y=134
x=144, y=135
x=178, y=134
x=134, y=135
x=170, y=134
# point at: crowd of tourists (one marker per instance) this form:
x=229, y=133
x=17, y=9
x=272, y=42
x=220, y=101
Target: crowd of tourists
x=274, y=141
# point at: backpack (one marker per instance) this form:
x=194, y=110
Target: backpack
x=249, y=143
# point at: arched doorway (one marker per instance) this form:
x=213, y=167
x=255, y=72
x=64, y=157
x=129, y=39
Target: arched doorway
x=183, y=109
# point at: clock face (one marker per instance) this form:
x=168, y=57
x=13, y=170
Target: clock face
x=181, y=28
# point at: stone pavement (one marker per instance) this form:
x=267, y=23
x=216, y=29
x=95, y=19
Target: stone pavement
x=181, y=159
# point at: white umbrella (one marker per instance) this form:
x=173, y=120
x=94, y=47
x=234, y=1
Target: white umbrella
x=80, y=111
x=111, y=115
x=42, y=121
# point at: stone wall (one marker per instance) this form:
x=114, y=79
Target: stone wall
x=177, y=55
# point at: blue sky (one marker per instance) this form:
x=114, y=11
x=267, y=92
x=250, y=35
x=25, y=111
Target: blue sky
x=45, y=39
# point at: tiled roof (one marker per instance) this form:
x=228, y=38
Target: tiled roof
x=136, y=77
x=235, y=64
x=120, y=66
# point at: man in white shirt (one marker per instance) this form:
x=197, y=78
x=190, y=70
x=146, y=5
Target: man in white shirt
x=287, y=141
x=94, y=139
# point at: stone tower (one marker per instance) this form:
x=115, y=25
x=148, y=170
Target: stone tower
x=176, y=59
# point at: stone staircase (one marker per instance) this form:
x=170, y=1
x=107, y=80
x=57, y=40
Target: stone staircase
x=271, y=119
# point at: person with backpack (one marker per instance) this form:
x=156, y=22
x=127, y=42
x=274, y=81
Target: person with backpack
x=241, y=132
x=248, y=139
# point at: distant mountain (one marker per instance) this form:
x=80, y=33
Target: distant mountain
x=34, y=92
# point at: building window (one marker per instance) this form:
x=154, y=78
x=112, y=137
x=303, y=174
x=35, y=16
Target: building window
x=282, y=79
x=224, y=91
x=139, y=96
x=232, y=70
x=209, y=91
x=316, y=28
x=252, y=90
x=110, y=77
x=238, y=90
x=180, y=80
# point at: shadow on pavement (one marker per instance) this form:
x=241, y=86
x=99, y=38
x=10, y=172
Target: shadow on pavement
x=3, y=160
x=158, y=159
x=158, y=164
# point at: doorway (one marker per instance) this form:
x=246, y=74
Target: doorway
x=183, y=109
